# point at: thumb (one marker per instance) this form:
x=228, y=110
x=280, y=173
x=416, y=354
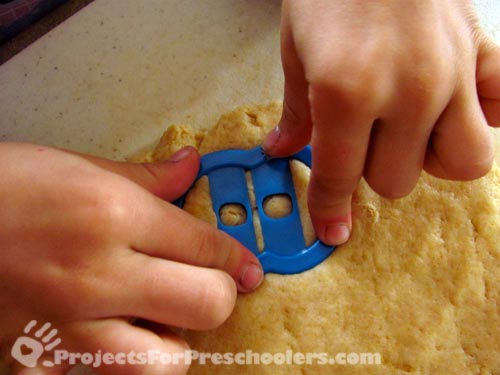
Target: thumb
x=167, y=179
x=294, y=129
x=488, y=81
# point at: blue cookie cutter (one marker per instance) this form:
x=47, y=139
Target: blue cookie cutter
x=285, y=251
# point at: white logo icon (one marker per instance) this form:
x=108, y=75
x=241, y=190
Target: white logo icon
x=28, y=350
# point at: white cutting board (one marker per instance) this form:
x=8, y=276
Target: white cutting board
x=109, y=79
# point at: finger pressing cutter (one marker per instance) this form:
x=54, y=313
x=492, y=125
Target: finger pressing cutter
x=285, y=251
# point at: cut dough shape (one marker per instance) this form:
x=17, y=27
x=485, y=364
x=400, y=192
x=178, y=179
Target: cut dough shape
x=418, y=282
x=277, y=206
x=233, y=214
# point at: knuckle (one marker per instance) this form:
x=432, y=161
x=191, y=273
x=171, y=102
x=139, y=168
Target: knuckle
x=111, y=212
x=388, y=187
x=349, y=83
x=342, y=154
x=213, y=248
x=329, y=192
x=155, y=282
x=470, y=162
x=348, y=90
x=295, y=122
x=331, y=186
x=425, y=86
x=103, y=211
x=432, y=77
x=392, y=179
x=82, y=290
x=471, y=170
x=216, y=300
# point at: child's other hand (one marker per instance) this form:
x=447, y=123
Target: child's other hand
x=384, y=89
x=88, y=243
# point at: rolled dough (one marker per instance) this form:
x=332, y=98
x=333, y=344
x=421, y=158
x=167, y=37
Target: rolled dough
x=418, y=282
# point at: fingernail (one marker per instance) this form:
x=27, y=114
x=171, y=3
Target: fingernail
x=251, y=277
x=337, y=234
x=271, y=139
x=182, y=154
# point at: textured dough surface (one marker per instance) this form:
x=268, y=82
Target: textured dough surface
x=418, y=281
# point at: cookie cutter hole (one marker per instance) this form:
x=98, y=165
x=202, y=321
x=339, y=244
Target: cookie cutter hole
x=233, y=214
x=277, y=206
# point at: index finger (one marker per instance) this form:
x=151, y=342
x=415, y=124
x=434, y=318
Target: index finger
x=339, y=147
x=163, y=230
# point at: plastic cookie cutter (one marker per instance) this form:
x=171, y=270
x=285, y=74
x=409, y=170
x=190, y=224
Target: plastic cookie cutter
x=285, y=251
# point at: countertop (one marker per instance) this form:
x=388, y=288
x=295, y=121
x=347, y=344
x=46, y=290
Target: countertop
x=109, y=79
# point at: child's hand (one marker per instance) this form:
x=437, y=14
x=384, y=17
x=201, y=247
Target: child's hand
x=87, y=243
x=383, y=89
